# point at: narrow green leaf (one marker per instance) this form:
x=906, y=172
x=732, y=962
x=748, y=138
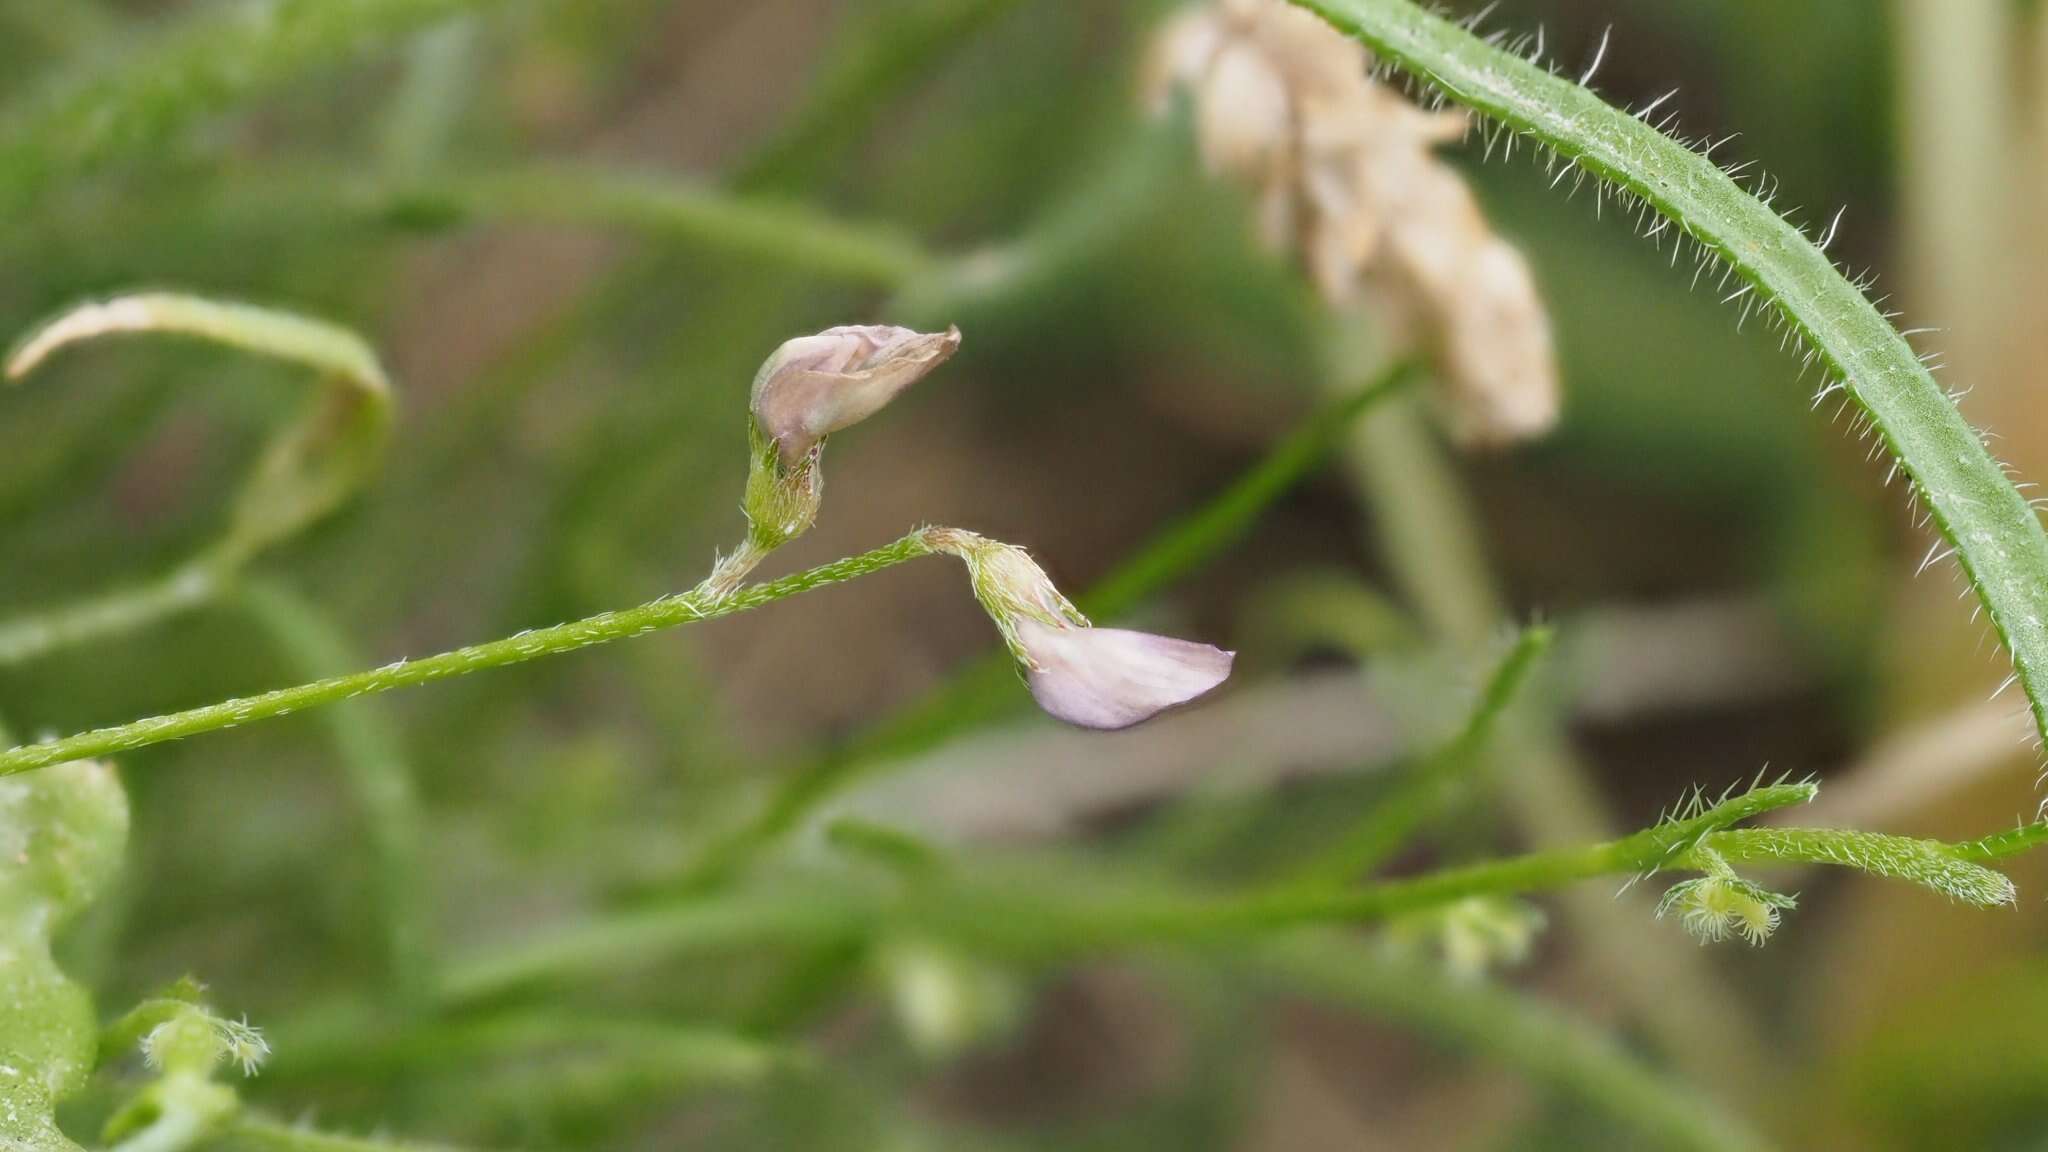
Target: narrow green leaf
x=1997, y=538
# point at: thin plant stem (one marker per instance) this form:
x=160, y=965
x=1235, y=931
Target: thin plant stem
x=1660, y=846
x=259, y=1134
x=114, y=613
x=649, y=203
x=714, y=1056
x=1050, y=921
x=1431, y=537
x=1423, y=793
x=377, y=772
x=603, y=628
x=310, y=466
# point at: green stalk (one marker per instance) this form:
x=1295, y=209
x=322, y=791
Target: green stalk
x=1423, y=793
x=258, y=1134
x=1996, y=537
x=373, y=760
x=603, y=628
x=113, y=613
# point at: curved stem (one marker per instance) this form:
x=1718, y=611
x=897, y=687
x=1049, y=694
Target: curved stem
x=308, y=468
x=1664, y=845
x=110, y=614
x=1997, y=538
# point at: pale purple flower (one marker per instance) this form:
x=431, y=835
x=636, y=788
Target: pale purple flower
x=1112, y=678
x=814, y=386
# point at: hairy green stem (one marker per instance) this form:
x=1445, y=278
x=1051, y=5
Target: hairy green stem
x=1649, y=850
x=2004, y=844
x=1996, y=536
x=1944, y=868
x=603, y=628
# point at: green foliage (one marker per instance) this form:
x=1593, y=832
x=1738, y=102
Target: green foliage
x=308, y=470
x=61, y=838
x=571, y=932
x=1996, y=536
x=126, y=103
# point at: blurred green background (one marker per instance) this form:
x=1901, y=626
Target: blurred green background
x=509, y=201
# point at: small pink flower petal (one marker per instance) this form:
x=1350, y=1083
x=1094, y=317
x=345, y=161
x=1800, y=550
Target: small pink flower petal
x=814, y=386
x=1112, y=678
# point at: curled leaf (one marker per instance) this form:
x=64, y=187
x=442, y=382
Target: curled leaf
x=312, y=466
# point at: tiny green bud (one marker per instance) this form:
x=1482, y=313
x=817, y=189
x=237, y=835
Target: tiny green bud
x=1721, y=904
x=194, y=1040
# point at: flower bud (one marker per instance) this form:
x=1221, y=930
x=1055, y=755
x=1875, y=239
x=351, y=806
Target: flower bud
x=814, y=386
x=1091, y=677
x=1721, y=904
x=1112, y=678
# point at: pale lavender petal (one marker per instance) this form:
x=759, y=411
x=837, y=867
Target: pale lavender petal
x=1112, y=678
x=816, y=385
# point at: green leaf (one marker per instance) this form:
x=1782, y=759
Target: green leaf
x=1997, y=539
x=61, y=837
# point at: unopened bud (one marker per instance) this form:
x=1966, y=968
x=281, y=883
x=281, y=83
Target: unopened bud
x=1722, y=904
x=814, y=386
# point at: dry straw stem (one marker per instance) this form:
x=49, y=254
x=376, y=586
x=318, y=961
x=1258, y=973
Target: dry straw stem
x=1995, y=534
